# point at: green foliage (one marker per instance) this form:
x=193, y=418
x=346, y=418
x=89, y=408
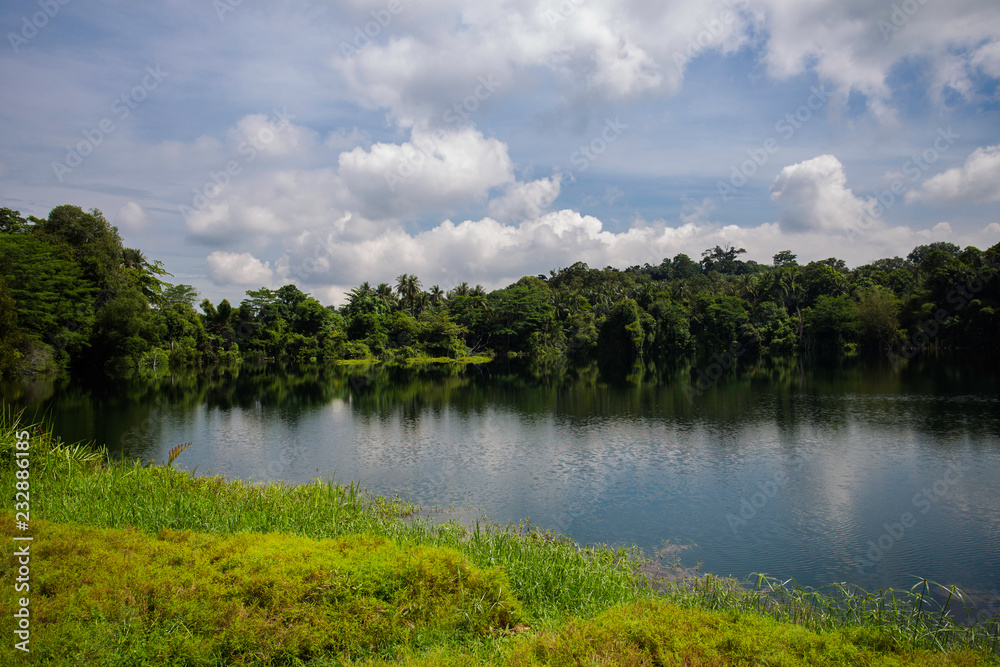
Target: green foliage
x=105, y=594
x=88, y=238
x=52, y=297
x=517, y=312
x=878, y=321
x=718, y=323
x=659, y=633
x=831, y=323
x=625, y=333
x=83, y=300
x=723, y=260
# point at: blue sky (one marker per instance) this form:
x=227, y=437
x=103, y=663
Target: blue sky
x=483, y=142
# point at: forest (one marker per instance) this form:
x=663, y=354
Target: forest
x=75, y=300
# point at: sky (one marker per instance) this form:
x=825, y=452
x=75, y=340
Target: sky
x=325, y=143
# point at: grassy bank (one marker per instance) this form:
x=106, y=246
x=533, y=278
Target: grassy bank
x=136, y=564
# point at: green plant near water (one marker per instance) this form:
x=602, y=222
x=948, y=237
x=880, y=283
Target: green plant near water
x=266, y=555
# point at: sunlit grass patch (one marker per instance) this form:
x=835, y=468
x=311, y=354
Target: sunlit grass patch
x=654, y=632
x=414, y=361
x=248, y=598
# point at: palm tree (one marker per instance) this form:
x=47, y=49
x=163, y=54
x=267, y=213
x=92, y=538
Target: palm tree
x=437, y=295
x=133, y=258
x=461, y=290
x=384, y=292
x=478, y=290
x=356, y=294
x=408, y=287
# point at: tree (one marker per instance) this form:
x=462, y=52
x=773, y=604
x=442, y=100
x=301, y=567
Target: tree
x=121, y=326
x=683, y=267
x=625, y=334
x=723, y=259
x=518, y=311
x=878, y=322
x=92, y=241
x=718, y=322
x=11, y=222
x=53, y=300
x=10, y=335
x=174, y=294
x=408, y=287
x=784, y=258
x=312, y=319
x=436, y=295
x=918, y=254
x=830, y=323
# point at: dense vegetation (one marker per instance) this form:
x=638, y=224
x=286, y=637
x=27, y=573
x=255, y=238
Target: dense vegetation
x=72, y=296
x=136, y=564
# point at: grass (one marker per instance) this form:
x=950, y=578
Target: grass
x=448, y=360
x=145, y=564
x=127, y=596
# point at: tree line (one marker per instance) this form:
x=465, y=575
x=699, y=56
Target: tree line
x=74, y=298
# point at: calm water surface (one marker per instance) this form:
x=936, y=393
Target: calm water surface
x=858, y=473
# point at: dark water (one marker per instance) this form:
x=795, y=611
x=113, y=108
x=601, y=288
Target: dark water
x=855, y=473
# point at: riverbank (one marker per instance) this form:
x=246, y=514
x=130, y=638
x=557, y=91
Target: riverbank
x=137, y=564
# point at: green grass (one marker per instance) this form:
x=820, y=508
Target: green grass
x=448, y=360
x=125, y=596
x=143, y=564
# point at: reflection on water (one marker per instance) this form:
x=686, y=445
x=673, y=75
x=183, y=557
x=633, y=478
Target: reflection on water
x=851, y=472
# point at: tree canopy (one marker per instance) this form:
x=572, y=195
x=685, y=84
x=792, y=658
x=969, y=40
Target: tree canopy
x=74, y=297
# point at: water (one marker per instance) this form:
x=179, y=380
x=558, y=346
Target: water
x=857, y=473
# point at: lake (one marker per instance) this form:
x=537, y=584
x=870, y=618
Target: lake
x=852, y=472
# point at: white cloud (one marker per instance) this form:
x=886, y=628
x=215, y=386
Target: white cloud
x=433, y=171
x=617, y=49
x=131, y=216
x=987, y=57
x=273, y=136
x=230, y=268
x=977, y=181
x=529, y=200
x=817, y=197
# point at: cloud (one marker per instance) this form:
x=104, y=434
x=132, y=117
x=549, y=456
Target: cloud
x=433, y=171
x=131, y=216
x=615, y=50
x=523, y=201
x=229, y=268
x=817, y=198
x=977, y=181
